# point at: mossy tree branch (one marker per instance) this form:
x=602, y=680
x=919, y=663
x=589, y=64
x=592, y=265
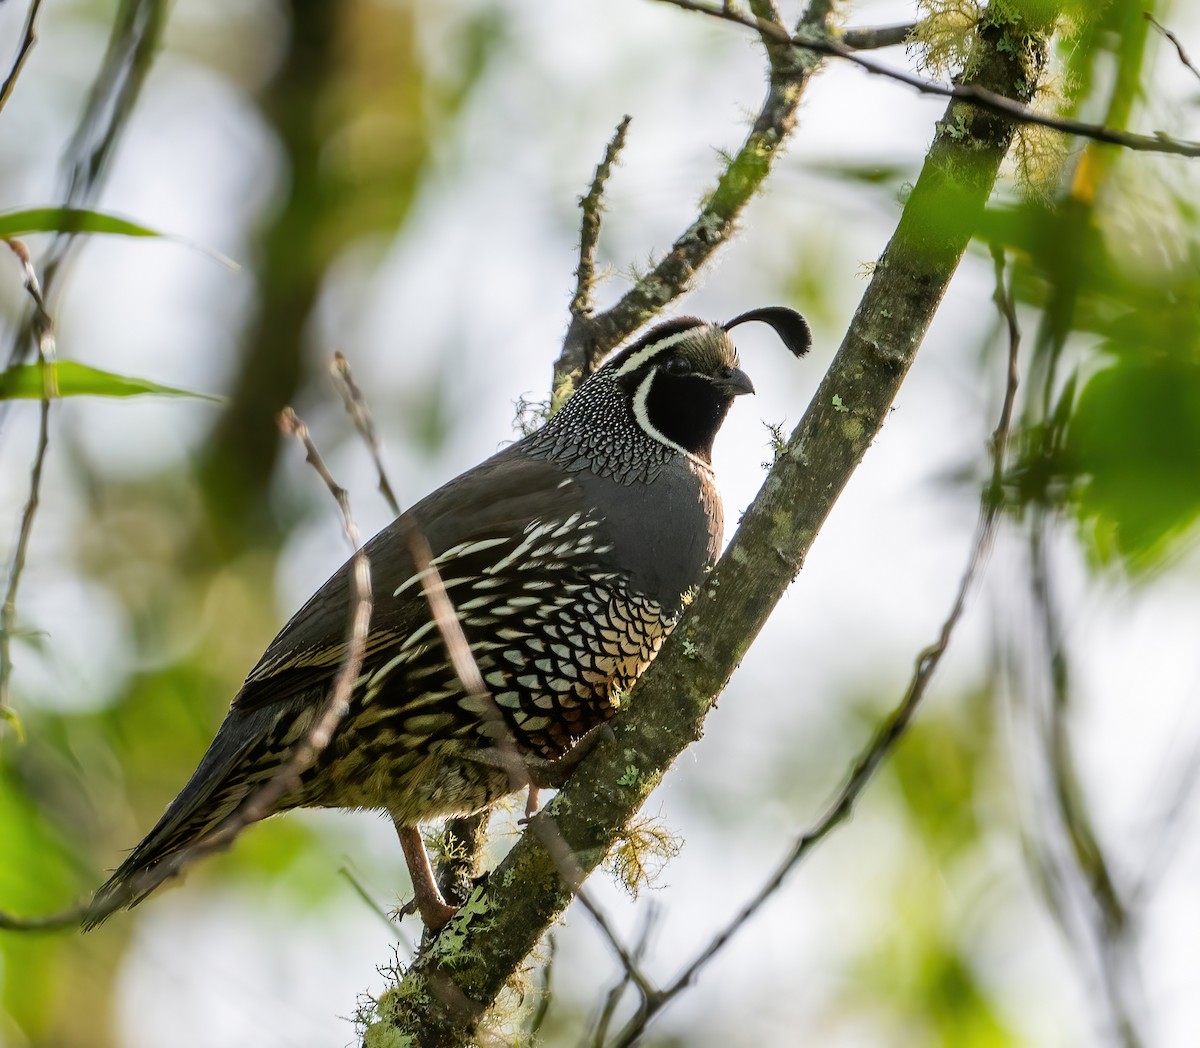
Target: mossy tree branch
x=449, y=987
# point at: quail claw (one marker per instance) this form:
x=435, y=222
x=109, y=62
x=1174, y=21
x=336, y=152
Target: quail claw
x=531, y=806
x=554, y=774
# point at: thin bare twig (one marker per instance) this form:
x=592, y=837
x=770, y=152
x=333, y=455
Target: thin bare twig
x=42, y=326
x=897, y=722
x=570, y=370
x=580, y=351
x=356, y=406
x=360, y=890
x=613, y=998
x=11, y=922
x=1003, y=298
x=287, y=776
x=573, y=877
x=441, y=609
x=1081, y=867
x=1183, y=55
x=592, y=206
x=538, y=1019
x=980, y=97
x=460, y=865
x=28, y=39
x=650, y=993
x=319, y=735
x=1170, y=829
x=432, y=587
x=434, y=590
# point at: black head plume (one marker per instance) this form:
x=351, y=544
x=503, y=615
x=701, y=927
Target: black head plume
x=789, y=325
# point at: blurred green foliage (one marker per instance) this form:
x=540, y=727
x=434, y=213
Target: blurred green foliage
x=1106, y=268
x=1114, y=270
x=352, y=108
x=918, y=979
x=1135, y=439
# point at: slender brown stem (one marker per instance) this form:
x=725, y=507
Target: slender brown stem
x=44, y=332
x=364, y=422
x=1184, y=57
x=42, y=326
x=28, y=40
x=978, y=96
x=286, y=778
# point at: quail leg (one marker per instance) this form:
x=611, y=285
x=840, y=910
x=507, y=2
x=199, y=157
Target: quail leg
x=434, y=910
x=531, y=805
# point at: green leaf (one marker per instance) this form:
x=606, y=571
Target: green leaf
x=1136, y=438
x=76, y=380
x=68, y=220
x=79, y=220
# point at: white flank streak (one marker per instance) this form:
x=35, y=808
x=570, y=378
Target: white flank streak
x=534, y=532
x=414, y=580
x=566, y=526
x=413, y=638
x=378, y=676
x=462, y=549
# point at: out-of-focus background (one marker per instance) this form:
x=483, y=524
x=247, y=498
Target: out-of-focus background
x=399, y=182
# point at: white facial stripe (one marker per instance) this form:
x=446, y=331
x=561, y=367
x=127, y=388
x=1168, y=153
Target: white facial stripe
x=642, y=415
x=640, y=357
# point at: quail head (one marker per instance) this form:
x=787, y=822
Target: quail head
x=567, y=557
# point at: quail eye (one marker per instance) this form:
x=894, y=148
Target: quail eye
x=678, y=366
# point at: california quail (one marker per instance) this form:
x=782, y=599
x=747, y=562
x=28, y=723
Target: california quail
x=567, y=555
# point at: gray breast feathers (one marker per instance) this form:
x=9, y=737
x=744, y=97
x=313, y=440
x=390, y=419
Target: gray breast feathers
x=665, y=534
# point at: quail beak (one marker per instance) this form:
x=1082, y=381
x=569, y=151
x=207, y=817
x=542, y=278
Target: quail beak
x=733, y=381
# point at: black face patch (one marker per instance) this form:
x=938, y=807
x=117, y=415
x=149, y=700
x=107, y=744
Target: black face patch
x=686, y=409
x=680, y=379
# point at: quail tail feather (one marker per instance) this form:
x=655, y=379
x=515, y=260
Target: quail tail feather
x=219, y=784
